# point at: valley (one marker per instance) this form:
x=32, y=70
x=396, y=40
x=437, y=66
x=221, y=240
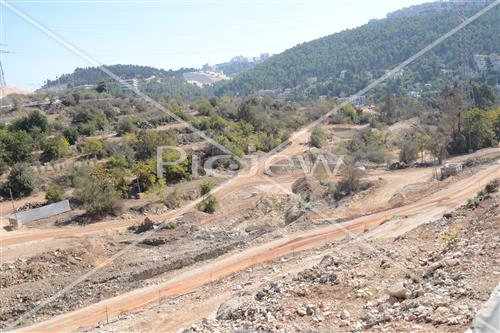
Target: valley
x=347, y=182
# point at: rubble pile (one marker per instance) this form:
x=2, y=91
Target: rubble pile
x=41, y=267
x=25, y=282
x=263, y=311
x=434, y=278
x=270, y=210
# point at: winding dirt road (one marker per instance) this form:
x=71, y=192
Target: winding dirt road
x=298, y=145
x=416, y=213
x=254, y=176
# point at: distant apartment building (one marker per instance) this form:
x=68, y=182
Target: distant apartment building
x=264, y=56
x=495, y=60
x=357, y=101
x=414, y=94
x=481, y=61
x=129, y=84
x=204, y=77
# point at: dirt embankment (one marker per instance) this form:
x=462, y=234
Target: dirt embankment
x=156, y=256
x=432, y=279
x=419, y=211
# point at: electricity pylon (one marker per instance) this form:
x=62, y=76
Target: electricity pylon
x=2, y=75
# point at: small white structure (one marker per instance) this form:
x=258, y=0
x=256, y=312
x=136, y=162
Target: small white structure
x=28, y=216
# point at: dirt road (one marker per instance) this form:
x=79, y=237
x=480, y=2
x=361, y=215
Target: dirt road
x=414, y=214
x=256, y=177
x=250, y=178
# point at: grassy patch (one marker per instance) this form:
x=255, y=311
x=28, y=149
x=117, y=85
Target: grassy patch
x=449, y=236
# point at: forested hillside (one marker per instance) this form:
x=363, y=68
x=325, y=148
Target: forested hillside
x=344, y=62
x=92, y=75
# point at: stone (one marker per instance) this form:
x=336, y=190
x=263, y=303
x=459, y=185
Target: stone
x=227, y=308
x=451, y=262
x=356, y=327
x=310, y=309
x=435, y=266
x=301, y=312
x=398, y=291
x=392, y=300
x=344, y=314
x=259, y=295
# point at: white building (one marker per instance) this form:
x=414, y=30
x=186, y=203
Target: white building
x=129, y=84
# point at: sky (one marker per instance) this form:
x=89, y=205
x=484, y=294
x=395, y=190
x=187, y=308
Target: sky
x=52, y=37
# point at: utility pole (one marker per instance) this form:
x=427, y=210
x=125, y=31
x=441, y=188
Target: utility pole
x=2, y=75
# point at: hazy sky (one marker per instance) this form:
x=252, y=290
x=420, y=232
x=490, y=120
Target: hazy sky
x=166, y=34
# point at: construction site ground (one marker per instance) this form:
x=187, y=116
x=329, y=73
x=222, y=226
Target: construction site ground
x=182, y=273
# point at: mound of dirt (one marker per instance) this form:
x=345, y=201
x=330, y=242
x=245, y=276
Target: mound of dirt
x=5, y=91
x=399, y=128
x=308, y=188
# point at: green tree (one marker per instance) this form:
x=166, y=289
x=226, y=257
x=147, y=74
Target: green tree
x=97, y=191
x=148, y=142
x=484, y=96
x=437, y=145
x=94, y=148
x=101, y=87
x=145, y=173
x=317, y=137
x=118, y=162
x=87, y=129
x=54, y=194
x=482, y=127
x=369, y=144
x=89, y=116
x=16, y=104
x=178, y=170
x=126, y=125
x=3, y=159
x=388, y=109
x=18, y=146
x=206, y=187
x=209, y=205
x=422, y=142
x=408, y=148
x=71, y=135
x=21, y=180
x=350, y=182
x=34, y=123
x=54, y=148
x=452, y=105
x=205, y=108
